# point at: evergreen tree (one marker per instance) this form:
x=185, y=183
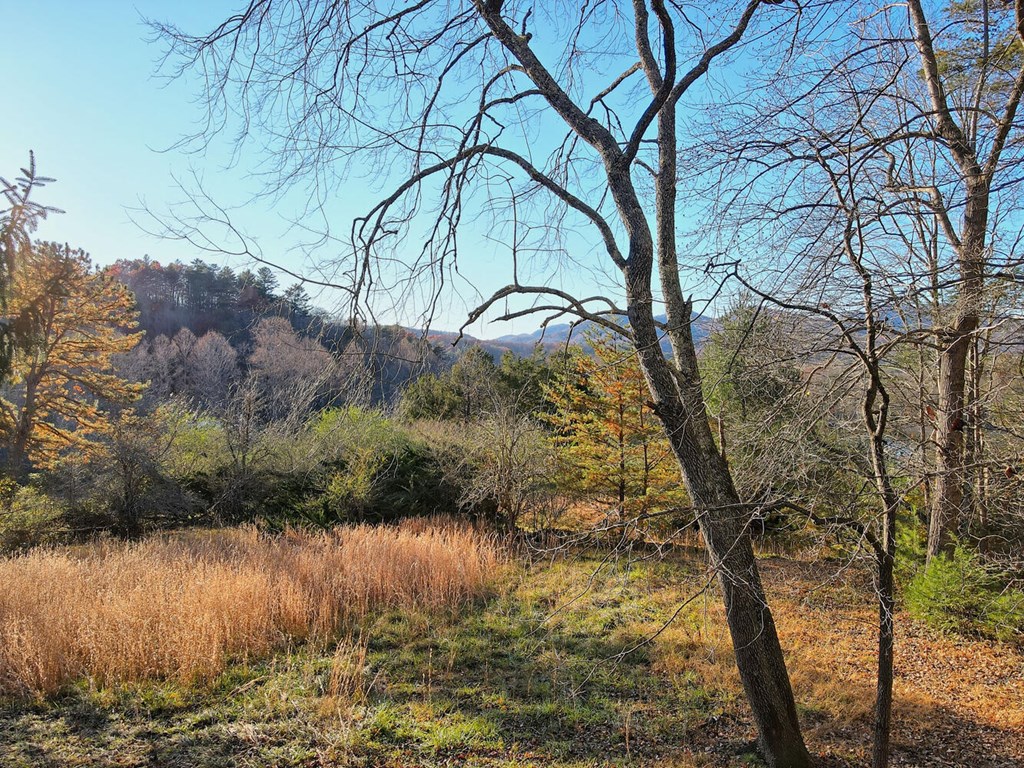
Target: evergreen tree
x=614, y=447
x=18, y=220
x=62, y=381
x=266, y=283
x=297, y=303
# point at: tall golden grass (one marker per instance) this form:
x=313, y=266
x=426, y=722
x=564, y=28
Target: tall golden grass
x=184, y=606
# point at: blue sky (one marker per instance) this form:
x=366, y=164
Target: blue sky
x=85, y=97
x=87, y=100
x=84, y=100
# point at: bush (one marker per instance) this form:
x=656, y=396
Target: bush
x=370, y=469
x=128, y=483
x=911, y=545
x=28, y=518
x=180, y=468
x=502, y=468
x=958, y=594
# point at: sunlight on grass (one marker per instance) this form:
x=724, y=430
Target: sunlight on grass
x=185, y=606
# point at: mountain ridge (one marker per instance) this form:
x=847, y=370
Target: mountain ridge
x=554, y=336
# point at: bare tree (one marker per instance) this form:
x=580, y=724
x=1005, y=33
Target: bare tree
x=859, y=333
x=216, y=368
x=922, y=100
x=853, y=175
x=504, y=464
x=294, y=374
x=974, y=130
x=453, y=100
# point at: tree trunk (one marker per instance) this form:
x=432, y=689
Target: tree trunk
x=886, y=648
x=947, y=504
x=886, y=561
x=676, y=389
x=952, y=415
x=755, y=640
x=18, y=464
x=621, y=488
x=679, y=404
x=948, y=498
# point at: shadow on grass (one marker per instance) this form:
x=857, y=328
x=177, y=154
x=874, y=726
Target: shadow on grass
x=504, y=682
x=500, y=684
x=493, y=685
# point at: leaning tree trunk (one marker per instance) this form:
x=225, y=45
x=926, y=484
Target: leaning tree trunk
x=676, y=389
x=679, y=404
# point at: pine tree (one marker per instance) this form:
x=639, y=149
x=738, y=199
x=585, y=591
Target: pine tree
x=614, y=446
x=266, y=283
x=62, y=381
x=18, y=220
x=297, y=301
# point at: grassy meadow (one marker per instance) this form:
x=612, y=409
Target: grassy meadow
x=430, y=646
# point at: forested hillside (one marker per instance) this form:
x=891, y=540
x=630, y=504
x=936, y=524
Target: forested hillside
x=205, y=326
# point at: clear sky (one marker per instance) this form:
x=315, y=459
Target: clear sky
x=81, y=91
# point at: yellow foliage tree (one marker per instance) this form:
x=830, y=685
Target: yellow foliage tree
x=62, y=380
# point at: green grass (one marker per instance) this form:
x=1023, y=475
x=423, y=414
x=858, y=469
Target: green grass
x=500, y=684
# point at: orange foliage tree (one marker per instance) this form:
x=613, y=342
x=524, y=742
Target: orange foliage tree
x=613, y=445
x=63, y=382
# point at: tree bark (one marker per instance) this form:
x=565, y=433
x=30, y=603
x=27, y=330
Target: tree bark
x=723, y=523
x=885, y=555
x=679, y=404
x=952, y=415
x=886, y=648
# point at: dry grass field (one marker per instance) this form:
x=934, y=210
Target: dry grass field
x=425, y=646
x=183, y=606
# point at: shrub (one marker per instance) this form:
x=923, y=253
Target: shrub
x=502, y=468
x=127, y=483
x=28, y=518
x=911, y=545
x=368, y=469
x=958, y=594
x=382, y=483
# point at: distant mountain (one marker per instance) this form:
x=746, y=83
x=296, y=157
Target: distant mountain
x=555, y=336
x=494, y=347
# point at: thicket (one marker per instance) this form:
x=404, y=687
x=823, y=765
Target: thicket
x=281, y=427
x=340, y=466
x=962, y=594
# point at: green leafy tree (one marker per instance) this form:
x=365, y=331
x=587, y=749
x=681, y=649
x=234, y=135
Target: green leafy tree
x=467, y=391
x=524, y=378
x=431, y=396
